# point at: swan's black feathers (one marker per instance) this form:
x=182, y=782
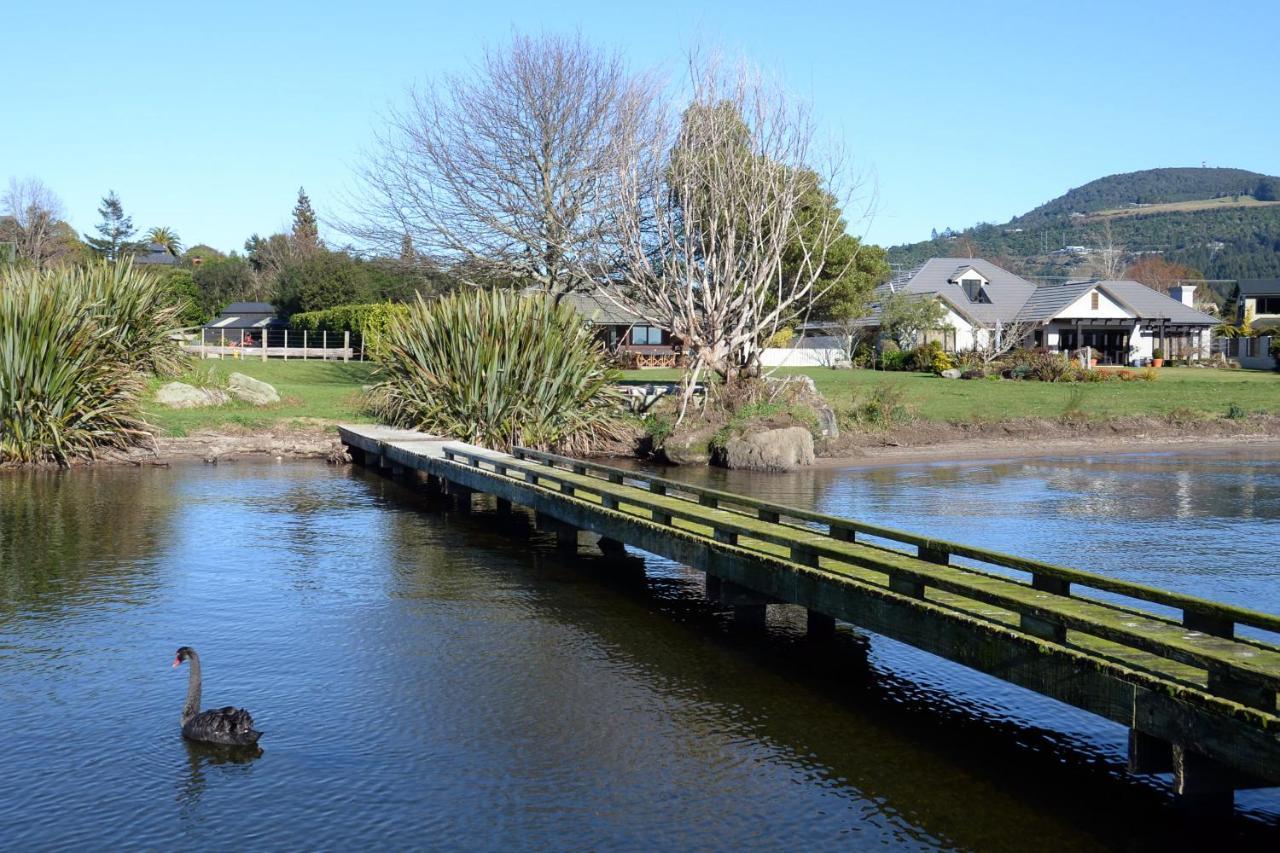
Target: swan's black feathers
x=225, y=725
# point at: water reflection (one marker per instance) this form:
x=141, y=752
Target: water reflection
x=231, y=763
x=424, y=675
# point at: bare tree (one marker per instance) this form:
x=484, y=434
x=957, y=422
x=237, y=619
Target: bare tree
x=34, y=212
x=713, y=208
x=1107, y=260
x=510, y=172
x=999, y=339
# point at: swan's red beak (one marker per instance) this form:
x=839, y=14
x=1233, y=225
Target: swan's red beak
x=176, y=662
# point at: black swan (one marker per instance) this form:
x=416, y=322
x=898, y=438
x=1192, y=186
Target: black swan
x=228, y=726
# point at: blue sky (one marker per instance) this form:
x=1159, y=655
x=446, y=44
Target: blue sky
x=208, y=119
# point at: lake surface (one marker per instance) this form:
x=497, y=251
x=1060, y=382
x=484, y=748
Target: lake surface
x=426, y=679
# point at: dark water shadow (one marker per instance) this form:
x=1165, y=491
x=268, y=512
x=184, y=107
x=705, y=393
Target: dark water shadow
x=207, y=759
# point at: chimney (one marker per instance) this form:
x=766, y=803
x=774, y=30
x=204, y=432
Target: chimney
x=1184, y=293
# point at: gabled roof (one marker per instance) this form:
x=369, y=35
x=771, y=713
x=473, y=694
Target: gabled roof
x=155, y=254
x=602, y=311
x=1007, y=291
x=249, y=308
x=1260, y=287
x=1046, y=303
x=1151, y=304
x=1134, y=296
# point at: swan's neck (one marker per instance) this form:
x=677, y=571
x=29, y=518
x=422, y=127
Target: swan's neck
x=192, y=706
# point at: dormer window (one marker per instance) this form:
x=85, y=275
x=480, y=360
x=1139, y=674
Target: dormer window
x=973, y=283
x=974, y=289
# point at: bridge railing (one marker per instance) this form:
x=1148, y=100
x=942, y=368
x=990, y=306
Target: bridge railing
x=1207, y=617
x=1239, y=669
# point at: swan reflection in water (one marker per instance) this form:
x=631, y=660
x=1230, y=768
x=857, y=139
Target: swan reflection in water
x=207, y=759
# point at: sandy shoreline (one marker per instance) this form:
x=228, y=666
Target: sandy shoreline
x=987, y=450
x=930, y=444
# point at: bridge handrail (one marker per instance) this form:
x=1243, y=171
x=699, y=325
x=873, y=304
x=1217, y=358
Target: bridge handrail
x=1199, y=614
x=1227, y=673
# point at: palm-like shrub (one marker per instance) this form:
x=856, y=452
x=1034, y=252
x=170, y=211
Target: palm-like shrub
x=497, y=369
x=73, y=347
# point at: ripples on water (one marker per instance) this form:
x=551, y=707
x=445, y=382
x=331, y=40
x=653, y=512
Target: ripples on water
x=432, y=680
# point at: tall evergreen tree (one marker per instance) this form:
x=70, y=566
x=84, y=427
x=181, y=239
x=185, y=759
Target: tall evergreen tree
x=115, y=231
x=306, y=232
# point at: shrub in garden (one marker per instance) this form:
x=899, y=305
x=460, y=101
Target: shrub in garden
x=931, y=358
x=895, y=359
x=1048, y=367
x=498, y=369
x=73, y=346
x=370, y=321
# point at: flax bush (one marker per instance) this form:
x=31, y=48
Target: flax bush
x=497, y=369
x=74, y=344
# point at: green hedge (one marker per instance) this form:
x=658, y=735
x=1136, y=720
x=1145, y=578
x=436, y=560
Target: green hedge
x=370, y=321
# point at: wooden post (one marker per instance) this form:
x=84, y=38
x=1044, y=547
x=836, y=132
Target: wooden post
x=304, y=344
x=346, y=346
x=324, y=343
x=222, y=345
x=203, y=353
x=265, y=332
x=286, y=344
x=819, y=626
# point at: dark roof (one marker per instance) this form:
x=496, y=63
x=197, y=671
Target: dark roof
x=1260, y=287
x=1145, y=303
x=249, y=308
x=938, y=276
x=602, y=311
x=155, y=254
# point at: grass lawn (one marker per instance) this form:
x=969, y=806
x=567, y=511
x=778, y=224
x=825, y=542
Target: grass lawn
x=1202, y=390
x=311, y=392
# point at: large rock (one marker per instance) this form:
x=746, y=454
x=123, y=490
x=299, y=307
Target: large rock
x=251, y=390
x=770, y=450
x=952, y=373
x=688, y=446
x=180, y=395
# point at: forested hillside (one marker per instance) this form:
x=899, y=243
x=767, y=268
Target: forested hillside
x=1152, y=186
x=1223, y=242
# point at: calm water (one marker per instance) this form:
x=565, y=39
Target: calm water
x=431, y=680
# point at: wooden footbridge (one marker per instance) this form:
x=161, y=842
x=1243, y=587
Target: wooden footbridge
x=1194, y=681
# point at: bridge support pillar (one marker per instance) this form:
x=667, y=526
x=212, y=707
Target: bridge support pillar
x=820, y=626
x=1149, y=754
x=397, y=471
x=713, y=587
x=503, y=506
x=750, y=617
x=461, y=497
x=749, y=607
x=566, y=534
x=610, y=546
x=1203, y=787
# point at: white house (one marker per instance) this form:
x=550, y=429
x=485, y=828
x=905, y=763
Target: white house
x=1122, y=321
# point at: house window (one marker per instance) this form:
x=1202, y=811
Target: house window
x=1093, y=300
x=1267, y=305
x=646, y=335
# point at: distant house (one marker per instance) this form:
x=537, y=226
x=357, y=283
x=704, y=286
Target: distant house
x=1260, y=302
x=242, y=323
x=155, y=255
x=635, y=340
x=1123, y=322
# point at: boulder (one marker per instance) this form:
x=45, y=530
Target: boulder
x=770, y=450
x=250, y=390
x=180, y=395
x=688, y=446
x=953, y=373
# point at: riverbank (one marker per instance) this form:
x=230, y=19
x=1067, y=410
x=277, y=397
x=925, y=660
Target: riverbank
x=921, y=443
x=1032, y=438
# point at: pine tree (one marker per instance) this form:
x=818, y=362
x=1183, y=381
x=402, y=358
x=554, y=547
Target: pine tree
x=306, y=232
x=116, y=230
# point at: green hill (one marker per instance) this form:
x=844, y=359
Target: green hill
x=1223, y=222
x=1152, y=186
